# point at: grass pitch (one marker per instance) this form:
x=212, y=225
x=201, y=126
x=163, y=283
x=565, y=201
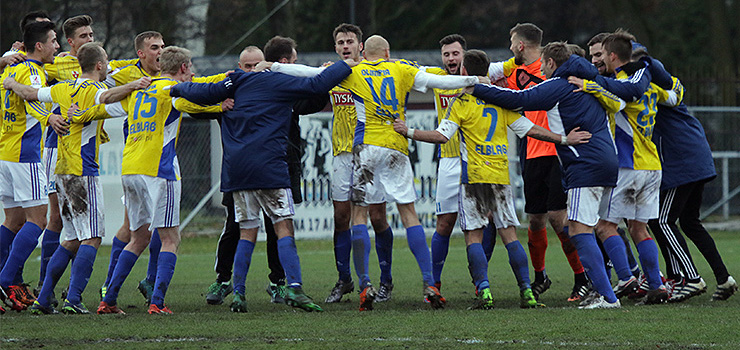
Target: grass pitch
x=403, y=322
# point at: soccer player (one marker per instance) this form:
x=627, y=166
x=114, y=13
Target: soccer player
x=23, y=188
x=484, y=182
x=635, y=198
x=258, y=126
x=79, y=188
x=590, y=169
x=151, y=176
x=348, y=45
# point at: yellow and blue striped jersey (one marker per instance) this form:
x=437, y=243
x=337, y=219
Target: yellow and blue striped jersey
x=442, y=100
x=483, y=138
x=23, y=121
x=63, y=68
x=343, y=121
x=380, y=89
x=153, y=127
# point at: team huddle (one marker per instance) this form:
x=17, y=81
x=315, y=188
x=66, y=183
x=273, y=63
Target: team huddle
x=593, y=133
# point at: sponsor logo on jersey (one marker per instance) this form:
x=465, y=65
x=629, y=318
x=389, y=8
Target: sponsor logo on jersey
x=444, y=100
x=35, y=80
x=340, y=98
x=525, y=79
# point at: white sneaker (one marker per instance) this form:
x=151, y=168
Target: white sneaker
x=601, y=303
x=725, y=290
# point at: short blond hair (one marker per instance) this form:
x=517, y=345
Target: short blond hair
x=172, y=59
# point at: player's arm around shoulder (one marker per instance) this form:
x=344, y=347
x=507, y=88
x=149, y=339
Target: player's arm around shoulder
x=207, y=93
x=431, y=136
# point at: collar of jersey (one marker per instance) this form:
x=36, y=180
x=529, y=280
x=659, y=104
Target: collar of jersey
x=374, y=63
x=143, y=71
x=30, y=60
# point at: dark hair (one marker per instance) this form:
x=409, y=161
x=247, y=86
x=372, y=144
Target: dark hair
x=452, y=38
x=558, y=51
x=577, y=50
x=476, y=62
x=31, y=17
x=619, y=42
x=279, y=47
x=139, y=40
x=36, y=32
x=597, y=39
x=348, y=28
x=639, y=53
x=531, y=33
x=89, y=55
x=72, y=24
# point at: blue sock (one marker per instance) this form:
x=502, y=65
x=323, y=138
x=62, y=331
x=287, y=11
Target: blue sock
x=165, y=270
x=489, y=240
x=518, y=262
x=634, y=267
x=125, y=263
x=614, y=247
x=288, y=254
x=361, y=254
x=23, y=244
x=478, y=266
x=418, y=244
x=440, y=247
x=154, y=247
x=81, y=270
x=384, y=248
x=593, y=262
x=342, y=250
x=6, y=240
x=115, y=250
x=49, y=244
x=648, y=252
x=242, y=260
x=57, y=264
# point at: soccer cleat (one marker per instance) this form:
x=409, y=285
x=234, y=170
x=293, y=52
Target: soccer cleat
x=339, y=290
x=436, y=300
x=384, y=292
x=277, y=293
x=539, y=287
x=483, y=301
x=438, y=285
x=725, y=290
x=367, y=297
x=22, y=294
x=589, y=298
x=528, y=300
x=655, y=296
x=155, y=310
x=11, y=300
x=579, y=291
x=77, y=309
x=687, y=290
x=217, y=292
x=104, y=308
x=624, y=288
x=239, y=304
x=2, y=310
x=295, y=297
x=600, y=303
x=146, y=289
x=640, y=292
x=38, y=309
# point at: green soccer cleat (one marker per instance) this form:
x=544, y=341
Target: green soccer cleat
x=295, y=297
x=528, y=300
x=38, y=309
x=239, y=304
x=146, y=289
x=74, y=309
x=484, y=301
x=276, y=292
x=217, y=292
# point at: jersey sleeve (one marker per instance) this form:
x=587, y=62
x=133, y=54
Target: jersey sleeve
x=45, y=94
x=500, y=70
x=186, y=106
x=424, y=80
x=115, y=64
x=210, y=78
x=52, y=70
x=447, y=128
x=609, y=101
x=630, y=89
x=34, y=108
x=296, y=70
x=518, y=124
x=541, y=97
x=205, y=93
x=667, y=97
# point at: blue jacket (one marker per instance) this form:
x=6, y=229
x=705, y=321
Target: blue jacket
x=680, y=139
x=586, y=165
x=255, y=132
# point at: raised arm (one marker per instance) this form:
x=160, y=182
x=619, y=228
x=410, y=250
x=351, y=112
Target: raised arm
x=206, y=93
x=120, y=92
x=424, y=80
x=541, y=97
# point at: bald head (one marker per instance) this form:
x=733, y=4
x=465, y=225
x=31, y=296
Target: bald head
x=376, y=47
x=250, y=56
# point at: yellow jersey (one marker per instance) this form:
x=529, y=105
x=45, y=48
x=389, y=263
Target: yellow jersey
x=442, y=100
x=483, y=138
x=63, y=68
x=23, y=121
x=153, y=128
x=343, y=120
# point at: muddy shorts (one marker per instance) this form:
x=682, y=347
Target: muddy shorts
x=81, y=207
x=636, y=197
x=276, y=202
x=479, y=201
x=381, y=175
x=586, y=203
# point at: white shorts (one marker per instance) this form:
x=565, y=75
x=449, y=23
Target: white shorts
x=50, y=164
x=81, y=207
x=585, y=204
x=381, y=175
x=448, y=185
x=276, y=202
x=151, y=200
x=341, y=177
x=477, y=201
x=636, y=197
x=22, y=184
